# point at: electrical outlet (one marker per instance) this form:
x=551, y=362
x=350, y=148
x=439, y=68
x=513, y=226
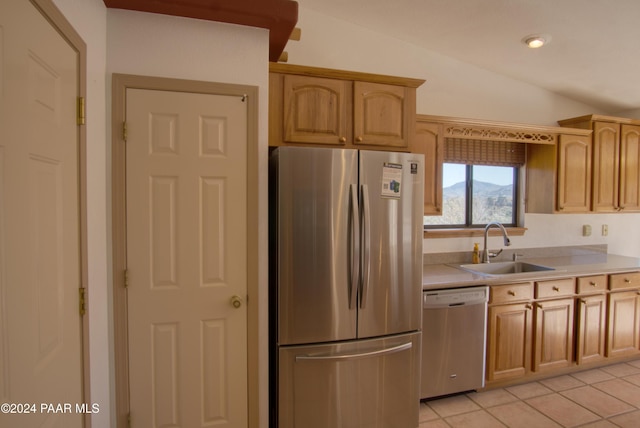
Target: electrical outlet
x=605, y=230
x=586, y=230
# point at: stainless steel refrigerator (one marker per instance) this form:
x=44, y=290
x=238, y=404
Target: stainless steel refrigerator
x=346, y=286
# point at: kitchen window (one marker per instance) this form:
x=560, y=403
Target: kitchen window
x=480, y=181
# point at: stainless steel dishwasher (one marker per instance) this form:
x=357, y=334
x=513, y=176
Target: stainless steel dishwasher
x=454, y=331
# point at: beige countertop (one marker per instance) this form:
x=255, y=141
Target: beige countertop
x=438, y=276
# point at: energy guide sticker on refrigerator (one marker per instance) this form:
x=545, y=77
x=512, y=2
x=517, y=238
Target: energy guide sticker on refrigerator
x=391, y=180
x=345, y=287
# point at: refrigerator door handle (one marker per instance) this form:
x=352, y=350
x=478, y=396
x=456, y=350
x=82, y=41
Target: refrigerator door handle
x=365, y=237
x=347, y=357
x=354, y=246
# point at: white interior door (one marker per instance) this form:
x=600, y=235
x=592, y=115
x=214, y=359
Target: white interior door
x=186, y=258
x=40, y=325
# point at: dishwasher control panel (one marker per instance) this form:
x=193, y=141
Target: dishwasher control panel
x=455, y=297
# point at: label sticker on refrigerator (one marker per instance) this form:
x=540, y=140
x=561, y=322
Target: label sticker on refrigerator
x=391, y=180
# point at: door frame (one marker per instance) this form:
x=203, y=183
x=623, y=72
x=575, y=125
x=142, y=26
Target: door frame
x=120, y=84
x=59, y=22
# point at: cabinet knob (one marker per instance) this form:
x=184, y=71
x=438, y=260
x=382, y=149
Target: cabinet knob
x=528, y=306
x=359, y=138
x=343, y=139
x=627, y=280
x=593, y=283
x=511, y=293
x=556, y=289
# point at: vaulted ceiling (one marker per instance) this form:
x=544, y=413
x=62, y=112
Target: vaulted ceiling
x=593, y=56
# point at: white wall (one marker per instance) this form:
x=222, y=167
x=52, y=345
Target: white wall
x=121, y=41
x=632, y=114
x=456, y=89
x=165, y=46
x=547, y=230
x=89, y=18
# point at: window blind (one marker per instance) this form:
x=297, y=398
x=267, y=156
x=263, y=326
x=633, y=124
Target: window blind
x=481, y=152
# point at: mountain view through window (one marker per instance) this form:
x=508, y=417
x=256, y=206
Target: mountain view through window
x=476, y=195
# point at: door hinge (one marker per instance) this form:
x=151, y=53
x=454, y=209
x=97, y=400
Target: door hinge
x=82, y=307
x=124, y=131
x=81, y=111
x=126, y=278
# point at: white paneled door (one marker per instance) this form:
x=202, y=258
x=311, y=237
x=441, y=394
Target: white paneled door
x=40, y=323
x=186, y=258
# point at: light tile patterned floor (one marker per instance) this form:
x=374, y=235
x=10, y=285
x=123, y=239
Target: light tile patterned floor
x=599, y=398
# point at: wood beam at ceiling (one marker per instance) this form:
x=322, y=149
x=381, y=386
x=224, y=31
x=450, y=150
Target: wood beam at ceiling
x=278, y=16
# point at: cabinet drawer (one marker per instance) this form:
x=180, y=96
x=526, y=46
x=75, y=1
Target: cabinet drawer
x=624, y=280
x=511, y=292
x=555, y=288
x=592, y=284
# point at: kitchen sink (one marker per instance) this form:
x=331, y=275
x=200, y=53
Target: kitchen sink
x=504, y=268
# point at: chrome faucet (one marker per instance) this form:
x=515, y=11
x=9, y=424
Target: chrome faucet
x=486, y=255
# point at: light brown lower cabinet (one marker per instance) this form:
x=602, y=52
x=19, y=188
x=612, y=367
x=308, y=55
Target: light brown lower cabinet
x=509, y=341
x=591, y=328
x=623, y=334
x=510, y=329
x=547, y=326
x=554, y=324
x=553, y=343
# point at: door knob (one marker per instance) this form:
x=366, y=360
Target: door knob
x=236, y=301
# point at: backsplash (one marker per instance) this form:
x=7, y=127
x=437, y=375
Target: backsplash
x=523, y=253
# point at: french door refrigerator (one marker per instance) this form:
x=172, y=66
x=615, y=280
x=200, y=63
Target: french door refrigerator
x=345, y=287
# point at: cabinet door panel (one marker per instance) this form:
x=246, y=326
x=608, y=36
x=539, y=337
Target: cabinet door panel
x=380, y=115
x=605, y=166
x=316, y=110
x=623, y=333
x=509, y=347
x=629, y=199
x=554, y=334
x=574, y=173
x=428, y=141
x=591, y=329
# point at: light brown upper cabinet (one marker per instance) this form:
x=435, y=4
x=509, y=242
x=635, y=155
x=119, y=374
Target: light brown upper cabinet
x=429, y=141
x=323, y=107
x=629, y=188
x=559, y=176
x=616, y=158
x=316, y=110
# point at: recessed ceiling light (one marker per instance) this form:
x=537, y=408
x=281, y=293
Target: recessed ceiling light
x=535, y=41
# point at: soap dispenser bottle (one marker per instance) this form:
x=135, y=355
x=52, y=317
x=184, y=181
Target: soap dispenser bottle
x=476, y=254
